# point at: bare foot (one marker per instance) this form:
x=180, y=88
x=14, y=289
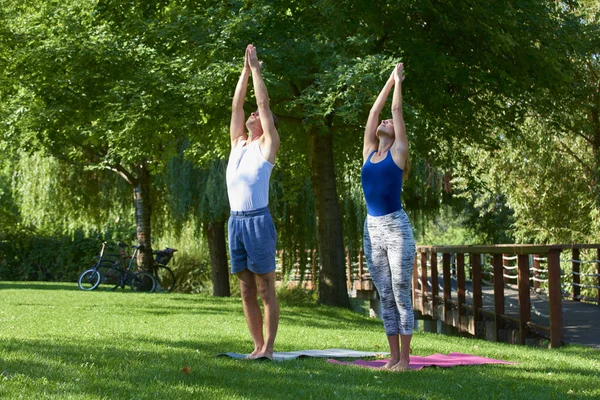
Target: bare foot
x=253, y=355
x=264, y=354
x=402, y=365
x=391, y=362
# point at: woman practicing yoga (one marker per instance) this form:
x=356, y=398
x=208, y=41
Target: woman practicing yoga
x=388, y=237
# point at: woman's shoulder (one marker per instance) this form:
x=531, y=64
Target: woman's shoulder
x=367, y=153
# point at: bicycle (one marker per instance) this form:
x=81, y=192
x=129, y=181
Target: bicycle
x=112, y=274
x=164, y=275
x=89, y=280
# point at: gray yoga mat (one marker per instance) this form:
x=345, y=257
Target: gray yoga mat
x=327, y=353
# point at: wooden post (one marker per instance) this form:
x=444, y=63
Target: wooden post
x=424, y=288
x=360, y=269
x=349, y=269
x=475, y=260
x=298, y=273
x=524, y=299
x=447, y=284
x=505, y=263
x=313, y=260
x=598, y=272
x=415, y=284
x=536, y=272
x=498, y=294
x=434, y=281
x=283, y=274
x=576, y=277
x=460, y=277
x=555, y=298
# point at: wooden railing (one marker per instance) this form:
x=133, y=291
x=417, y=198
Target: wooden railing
x=540, y=264
x=426, y=300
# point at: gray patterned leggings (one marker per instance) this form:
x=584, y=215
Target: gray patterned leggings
x=390, y=251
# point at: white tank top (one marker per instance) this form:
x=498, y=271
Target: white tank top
x=248, y=174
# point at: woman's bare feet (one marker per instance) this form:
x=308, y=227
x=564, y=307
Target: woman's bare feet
x=391, y=362
x=402, y=365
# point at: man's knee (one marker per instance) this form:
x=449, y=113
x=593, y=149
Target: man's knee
x=247, y=292
x=247, y=285
x=266, y=287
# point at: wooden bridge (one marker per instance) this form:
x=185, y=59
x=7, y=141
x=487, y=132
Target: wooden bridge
x=523, y=294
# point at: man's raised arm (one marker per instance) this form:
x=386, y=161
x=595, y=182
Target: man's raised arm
x=237, y=127
x=262, y=101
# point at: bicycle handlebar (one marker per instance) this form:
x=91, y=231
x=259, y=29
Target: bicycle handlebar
x=167, y=249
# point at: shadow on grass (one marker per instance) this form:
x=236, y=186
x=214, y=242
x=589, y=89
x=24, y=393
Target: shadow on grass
x=38, y=285
x=108, y=369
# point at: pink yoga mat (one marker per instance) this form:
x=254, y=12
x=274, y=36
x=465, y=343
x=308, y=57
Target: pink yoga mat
x=434, y=360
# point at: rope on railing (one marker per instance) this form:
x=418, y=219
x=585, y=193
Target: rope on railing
x=513, y=267
x=540, y=258
x=581, y=261
x=580, y=274
x=581, y=285
x=487, y=269
x=509, y=257
x=538, y=313
x=536, y=279
x=419, y=280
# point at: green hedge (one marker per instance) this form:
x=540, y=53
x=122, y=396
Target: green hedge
x=31, y=256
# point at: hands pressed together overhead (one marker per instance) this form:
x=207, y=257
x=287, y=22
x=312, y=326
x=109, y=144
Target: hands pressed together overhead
x=397, y=74
x=251, y=60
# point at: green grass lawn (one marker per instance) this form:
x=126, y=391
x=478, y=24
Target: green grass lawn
x=59, y=342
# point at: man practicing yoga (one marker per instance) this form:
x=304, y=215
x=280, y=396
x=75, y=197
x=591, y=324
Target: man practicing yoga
x=252, y=236
x=388, y=237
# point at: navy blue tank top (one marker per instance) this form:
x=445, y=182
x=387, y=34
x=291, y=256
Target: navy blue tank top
x=382, y=185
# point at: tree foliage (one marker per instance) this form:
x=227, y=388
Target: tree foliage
x=501, y=96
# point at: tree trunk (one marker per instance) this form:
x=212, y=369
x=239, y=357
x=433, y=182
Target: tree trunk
x=215, y=233
x=332, y=274
x=595, y=123
x=143, y=216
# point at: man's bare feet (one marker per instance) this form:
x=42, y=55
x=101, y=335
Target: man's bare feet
x=264, y=354
x=253, y=355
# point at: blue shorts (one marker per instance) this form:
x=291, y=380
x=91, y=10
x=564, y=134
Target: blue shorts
x=252, y=241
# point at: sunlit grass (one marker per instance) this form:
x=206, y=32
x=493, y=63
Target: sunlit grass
x=59, y=342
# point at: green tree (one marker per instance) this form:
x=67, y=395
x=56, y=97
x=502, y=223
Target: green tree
x=546, y=169
x=118, y=86
x=198, y=193
x=472, y=67
x=100, y=85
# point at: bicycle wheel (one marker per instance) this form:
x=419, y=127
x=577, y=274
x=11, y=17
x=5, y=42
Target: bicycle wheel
x=89, y=279
x=143, y=282
x=165, y=278
x=110, y=277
